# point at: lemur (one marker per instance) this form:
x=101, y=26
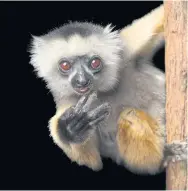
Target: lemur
x=110, y=98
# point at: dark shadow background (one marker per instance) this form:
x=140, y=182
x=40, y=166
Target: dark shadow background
x=28, y=157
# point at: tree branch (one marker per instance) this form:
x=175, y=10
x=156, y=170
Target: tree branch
x=176, y=63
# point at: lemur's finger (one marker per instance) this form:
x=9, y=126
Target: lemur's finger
x=81, y=103
x=77, y=117
x=97, y=121
x=85, y=121
x=92, y=97
x=82, y=107
x=68, y=115
x=100, y=110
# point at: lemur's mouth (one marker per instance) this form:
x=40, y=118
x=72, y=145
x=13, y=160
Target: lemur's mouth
x=84, y=89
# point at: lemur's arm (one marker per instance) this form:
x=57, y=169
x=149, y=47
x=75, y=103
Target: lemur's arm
x=145, y=35
x=71, y=129
x=84, y=154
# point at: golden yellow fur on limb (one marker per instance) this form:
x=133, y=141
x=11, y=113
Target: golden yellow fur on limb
x=151, y=34
x=83, y=154
x=140, y=140
x=176, y=61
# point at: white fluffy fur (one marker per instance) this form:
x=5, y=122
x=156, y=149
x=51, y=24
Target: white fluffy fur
x=47, y=53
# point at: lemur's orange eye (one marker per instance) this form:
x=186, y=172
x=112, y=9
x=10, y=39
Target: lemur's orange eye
x=95, y=63
x=65, y=66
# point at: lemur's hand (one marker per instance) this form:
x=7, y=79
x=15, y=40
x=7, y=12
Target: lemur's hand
x=78, y=123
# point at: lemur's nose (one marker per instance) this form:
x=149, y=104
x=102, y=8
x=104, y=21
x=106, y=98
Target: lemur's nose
x=82, y=81
x=82, y=78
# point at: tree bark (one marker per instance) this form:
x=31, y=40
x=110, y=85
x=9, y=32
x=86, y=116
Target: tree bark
x=176, y=64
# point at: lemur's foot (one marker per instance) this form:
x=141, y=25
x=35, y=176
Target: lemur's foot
x=176, y=151
x=77, y=123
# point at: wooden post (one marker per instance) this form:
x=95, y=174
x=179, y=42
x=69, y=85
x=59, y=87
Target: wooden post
x=176, y=63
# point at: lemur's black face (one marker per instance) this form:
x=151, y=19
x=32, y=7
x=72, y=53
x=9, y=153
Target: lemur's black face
x=80, y=71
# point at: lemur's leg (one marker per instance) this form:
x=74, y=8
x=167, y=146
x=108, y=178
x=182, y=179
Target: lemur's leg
x=140, y=141
x=73, y=130
x=142, y=144
x=145, y=35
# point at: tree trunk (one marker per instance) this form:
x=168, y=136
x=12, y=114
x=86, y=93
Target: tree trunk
x=176, y=63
